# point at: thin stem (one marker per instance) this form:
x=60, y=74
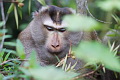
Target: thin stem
x=4, y=26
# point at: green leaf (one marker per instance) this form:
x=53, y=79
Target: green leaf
x=33, y=60
x=20, y=50
x=70, y=3
x=116, y=18
x=57, y=74
x=29, y=6
x=23, y=26
x=42, y=2
x=9, y=77
x=111, y=35
x=20, y=12
x=11, y=8
x=25, y=71
x=8, y=50
x=94, y=52
x=20, y=1
x=109, y=5
x=2, y=23
x=81, y=23
x=6, y=36
x=6, y=57
x=10, y=43
x=1, y=76
x=16, y=15
x=1, y=56
x=3, y=31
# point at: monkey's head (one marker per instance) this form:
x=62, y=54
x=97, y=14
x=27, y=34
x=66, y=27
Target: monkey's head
x=53, y=28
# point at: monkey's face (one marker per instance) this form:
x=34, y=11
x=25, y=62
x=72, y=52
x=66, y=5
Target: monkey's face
x=55, y=29
x=55, y=42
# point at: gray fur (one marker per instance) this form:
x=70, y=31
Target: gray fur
x=34, y=37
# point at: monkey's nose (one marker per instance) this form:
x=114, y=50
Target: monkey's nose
x=55, y=46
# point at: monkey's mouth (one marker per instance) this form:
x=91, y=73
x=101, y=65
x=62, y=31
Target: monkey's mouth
x=54, y=52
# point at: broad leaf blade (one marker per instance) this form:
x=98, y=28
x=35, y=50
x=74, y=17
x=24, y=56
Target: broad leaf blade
x=42, y=2
x=2, y=23
x=95, y=52
x=57, y=74
x=81, y=23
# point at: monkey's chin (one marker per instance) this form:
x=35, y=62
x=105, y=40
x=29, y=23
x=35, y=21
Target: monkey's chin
x=57, y=52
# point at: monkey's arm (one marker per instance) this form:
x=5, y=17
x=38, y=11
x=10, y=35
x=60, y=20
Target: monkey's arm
x=28, y=43
x=26, y=39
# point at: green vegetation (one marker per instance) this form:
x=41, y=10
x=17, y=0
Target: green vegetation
x=94, y=53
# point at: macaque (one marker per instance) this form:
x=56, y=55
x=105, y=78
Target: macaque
x=47, y=34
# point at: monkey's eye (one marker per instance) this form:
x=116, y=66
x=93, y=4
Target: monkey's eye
x=49, y=28
x=62, y=29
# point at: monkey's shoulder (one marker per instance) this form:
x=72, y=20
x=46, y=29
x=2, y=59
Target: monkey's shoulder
x=25, y=34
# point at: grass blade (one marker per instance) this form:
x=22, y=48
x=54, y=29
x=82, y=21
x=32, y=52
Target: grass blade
x=16, y=15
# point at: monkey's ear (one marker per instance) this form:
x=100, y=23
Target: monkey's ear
x=72, y=10
x=41, y=11
x=35, y=14
x=44, y=9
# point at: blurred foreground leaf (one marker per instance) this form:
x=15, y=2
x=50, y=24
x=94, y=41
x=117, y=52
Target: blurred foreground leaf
x=109, y=5
x=51, y=73
x=10, y=43
x=20, y=1
x=42, y=2
x=3, y=31
x=94, y=52
x=1, y=23
x=1, y=56
x=6, y=36
x=25, y=71
x=1, y=76
x=68, y=3
x=76, y=23
x=20, y=50
x=33, y=60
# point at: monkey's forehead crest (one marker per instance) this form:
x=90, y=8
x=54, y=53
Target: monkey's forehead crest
x=54, y=11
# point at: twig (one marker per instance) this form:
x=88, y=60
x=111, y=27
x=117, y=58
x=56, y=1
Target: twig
x=4, y=26
x=13, y=60
x=86, y=5
x=87, y=74
x=84, y=75
x=3, y=19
